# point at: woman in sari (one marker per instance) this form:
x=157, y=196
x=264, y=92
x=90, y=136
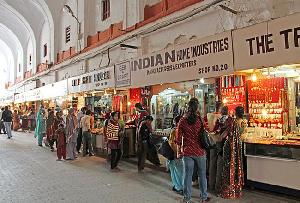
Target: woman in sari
x=71, y=134
x=40, y=128
x=232, y=174
x=16, y=120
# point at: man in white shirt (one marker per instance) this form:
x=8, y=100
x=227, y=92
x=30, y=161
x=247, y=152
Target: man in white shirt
x=85, y=124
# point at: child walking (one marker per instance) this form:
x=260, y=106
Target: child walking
x=61, y=142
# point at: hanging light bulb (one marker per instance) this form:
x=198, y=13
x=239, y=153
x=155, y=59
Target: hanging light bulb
x=254, y=77
x=202, y=81
x=264, y=112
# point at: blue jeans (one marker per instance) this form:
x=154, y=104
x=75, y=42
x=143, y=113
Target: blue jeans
x=176, y=171
x=188, y=169
x=8, y=129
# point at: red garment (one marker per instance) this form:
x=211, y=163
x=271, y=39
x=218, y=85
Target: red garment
x=49, y=132
x=142, y=114
x=232, y=175
x=61, y=138
x=61, y=143
x=61, y=152
x=190, y=133
x=57, y=121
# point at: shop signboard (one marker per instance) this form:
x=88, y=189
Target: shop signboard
x=122, y=74
x=58, y=89
x=202, y=58
x=33, y=95
x=20, y=98
x=96, y=80
x=6, y=98
x=271, y=43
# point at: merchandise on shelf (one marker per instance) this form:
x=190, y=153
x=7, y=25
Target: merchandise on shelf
x=233, y=91
x=267, y=103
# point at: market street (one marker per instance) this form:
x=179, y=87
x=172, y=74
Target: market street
x=32, y=174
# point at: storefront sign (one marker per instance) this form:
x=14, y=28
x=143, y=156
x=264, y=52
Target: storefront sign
x=58, y=89
x=20, y=98
x=122, y=71
x=96, y=80
x=203, y=58
x=6, y=98
x=50, y=91
x=272, y=43
x=33, y=95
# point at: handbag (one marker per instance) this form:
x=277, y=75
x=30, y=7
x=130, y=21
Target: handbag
x=166, y=150
x=206, y=140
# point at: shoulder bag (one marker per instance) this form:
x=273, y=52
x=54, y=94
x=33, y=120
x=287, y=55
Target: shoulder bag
x=206, y=140
x=166, y=150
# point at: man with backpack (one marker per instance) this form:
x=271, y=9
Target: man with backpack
x=7, y=121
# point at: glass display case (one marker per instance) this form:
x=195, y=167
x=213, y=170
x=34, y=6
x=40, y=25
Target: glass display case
x=272, y=139
x=287, y=151
x=206, y=94
x=167, y=105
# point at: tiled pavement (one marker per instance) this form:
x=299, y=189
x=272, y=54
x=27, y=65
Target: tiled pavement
x=29, y=173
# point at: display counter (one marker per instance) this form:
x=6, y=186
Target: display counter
x=273, y=165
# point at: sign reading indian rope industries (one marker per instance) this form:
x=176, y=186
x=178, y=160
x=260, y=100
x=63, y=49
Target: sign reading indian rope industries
x=202, y=58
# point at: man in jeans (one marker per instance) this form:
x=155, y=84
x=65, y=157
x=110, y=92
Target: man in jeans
x=85, y=123
x=7, y=120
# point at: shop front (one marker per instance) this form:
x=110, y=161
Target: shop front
x=26, y=103
x=52, y=96
x=95, y=90
x=163, y=82
x=267, y=56
x=175, y=75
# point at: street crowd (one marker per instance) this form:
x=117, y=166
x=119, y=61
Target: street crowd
x=189, y=162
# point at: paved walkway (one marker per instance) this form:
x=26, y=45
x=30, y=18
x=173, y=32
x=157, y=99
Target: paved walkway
x=29, y=173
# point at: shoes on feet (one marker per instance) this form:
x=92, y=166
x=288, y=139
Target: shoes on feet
x=40, y=145
x=115, y=170
x=91, y=154
x=207, y=200
x=177, y=191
